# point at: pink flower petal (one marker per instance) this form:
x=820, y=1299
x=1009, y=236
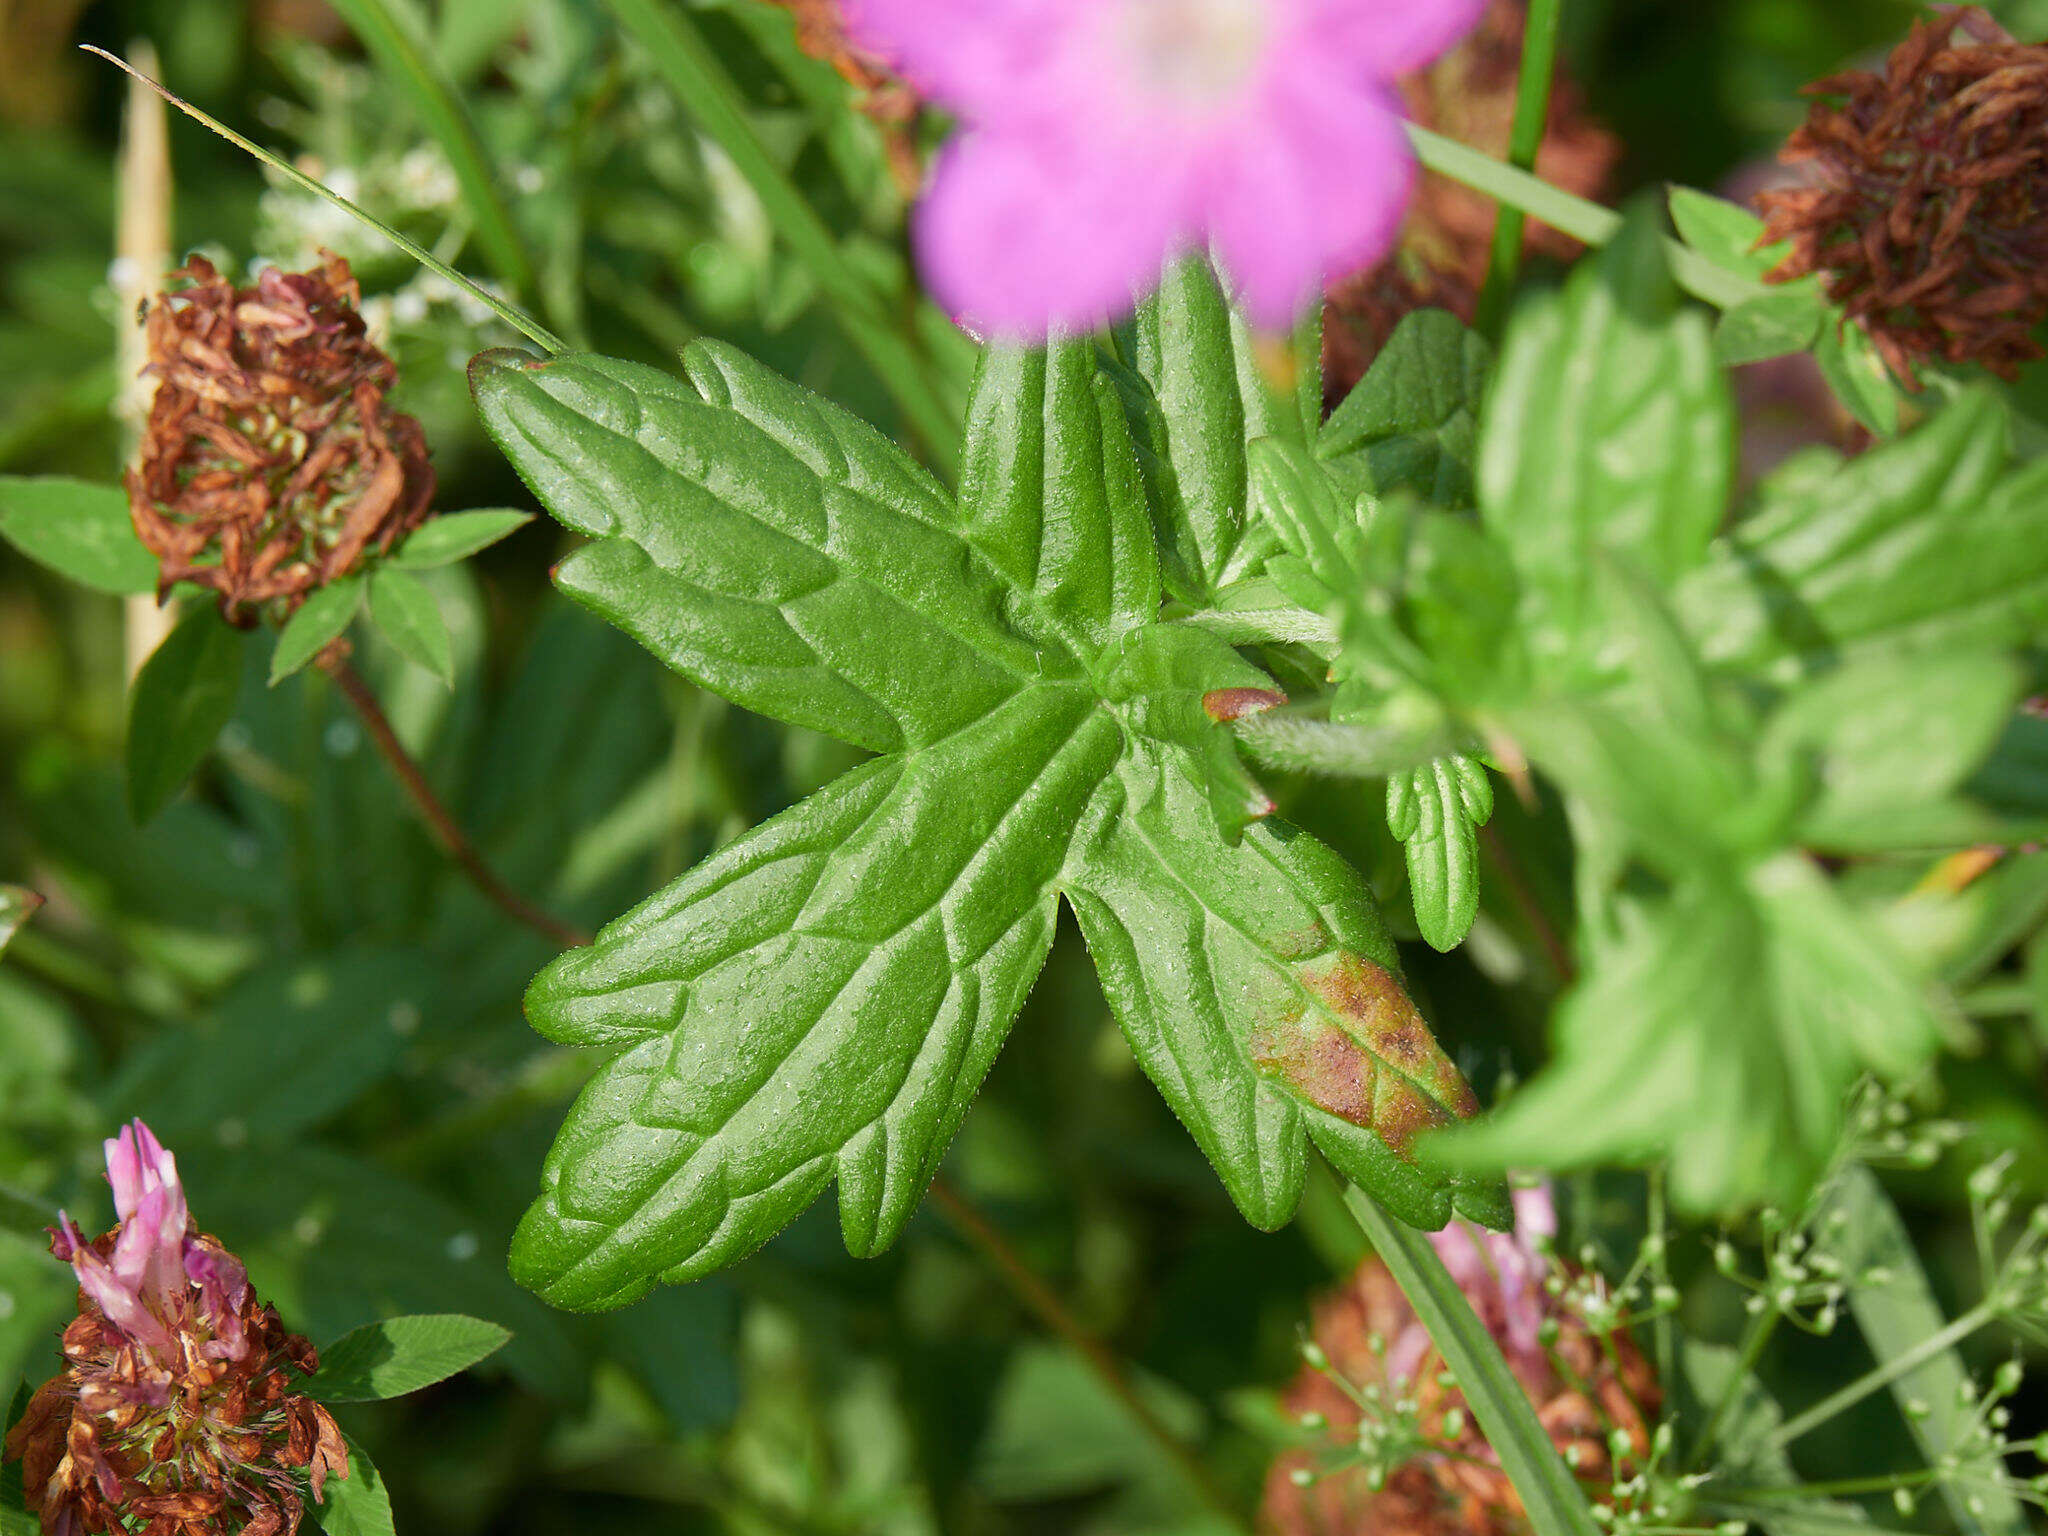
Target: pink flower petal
x=1318, y=192
x=1025, y=234
x=959, y=52
x=122, y=1306
x=1395, y=35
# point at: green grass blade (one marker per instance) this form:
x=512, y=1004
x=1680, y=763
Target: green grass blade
x=521, y=322
x=1894, y=1318
x=706, y=92
x=394, y=41
x=1504, y=1413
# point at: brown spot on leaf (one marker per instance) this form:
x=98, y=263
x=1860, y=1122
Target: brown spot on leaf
x=1366, y=1055
x=1226, y=704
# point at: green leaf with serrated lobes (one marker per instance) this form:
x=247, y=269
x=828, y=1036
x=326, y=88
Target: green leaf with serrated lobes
x=80, y=530
x=1413, y=419
x=179, y=701
x=820, y=1000
x=1436, y=811
x=403, y=1354
x=1206, y=402
x=456, y=536
x=322, y=619
x=356, y=1505
x=405, y=613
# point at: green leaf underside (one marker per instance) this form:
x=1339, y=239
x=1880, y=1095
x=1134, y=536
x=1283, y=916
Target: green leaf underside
x=1436, y=810
x=322, y=618
x=456, y=536
x=821, y=999
x=177, y=705
x=404, y=611
x=401, y=1355
x=80, y=530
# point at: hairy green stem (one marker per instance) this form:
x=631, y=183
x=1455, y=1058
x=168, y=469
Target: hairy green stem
x=705, y=91
x=1884, y=1375
x=1525, y=138
x=395, y=44
x=520, y=321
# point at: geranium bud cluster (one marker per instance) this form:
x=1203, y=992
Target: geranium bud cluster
x=1925, y=204
x=271, y=461
x=175, y=1414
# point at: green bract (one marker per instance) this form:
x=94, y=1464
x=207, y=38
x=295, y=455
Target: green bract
x=820, y=1000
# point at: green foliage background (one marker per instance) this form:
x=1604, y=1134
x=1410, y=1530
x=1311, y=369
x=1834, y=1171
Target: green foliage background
x=281, y=973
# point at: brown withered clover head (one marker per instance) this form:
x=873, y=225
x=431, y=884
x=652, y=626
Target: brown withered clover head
x=1927, y=211
x=175, y=1413
x=271, y=462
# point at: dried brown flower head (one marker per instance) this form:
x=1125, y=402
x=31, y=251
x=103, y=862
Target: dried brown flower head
x=1372, y=1339
x=1928, y=206
x=1441, y=257
x=174, y=1414
x=883, y=96
x=271, y=463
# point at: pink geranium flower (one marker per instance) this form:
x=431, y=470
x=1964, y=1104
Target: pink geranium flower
x=1102, y=136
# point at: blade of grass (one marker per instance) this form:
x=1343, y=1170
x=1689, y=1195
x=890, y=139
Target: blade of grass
x=1525, y=137
x=1894, y=1318
x=393, y=39
x=521, y=322
x=707, y=93
x=1504, y=1413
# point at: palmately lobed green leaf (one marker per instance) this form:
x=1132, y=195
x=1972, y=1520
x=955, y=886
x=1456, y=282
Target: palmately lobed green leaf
x=820, y=1000
x=793, y=571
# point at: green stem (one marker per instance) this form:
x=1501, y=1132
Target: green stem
x=1884, y=1375
x=1918, y=1477
x=521, y=322
x=1586, y=222
x=1525, y=138
x=1760, y=1329
x=704, y=90
x=396, y=45
x=1556, y=1505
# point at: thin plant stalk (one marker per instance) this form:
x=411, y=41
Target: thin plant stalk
x=1038, y=1299
x=511, y=314
x=1525, y=138
x=446, y=830
x=1884, y=1375
x=705, y=90
x=393, y=41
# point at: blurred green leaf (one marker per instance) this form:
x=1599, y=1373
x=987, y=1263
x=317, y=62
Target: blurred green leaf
x=356, y=1505
x=15, y=1519
x=456, y=536
x=1609, y=426
x=1747, y=1455
x=405, y=613
x=322, y=618
x=1725, y=233
x=1752, y=1006
x=1866, y=1235
x=17, y=905
x=177, y=705
x=401, y=1355
x=1436, y=811
x=1935, y=541
x=1771, y=325
x=79, y=530
x=1413, y=418
x=1857, y=374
